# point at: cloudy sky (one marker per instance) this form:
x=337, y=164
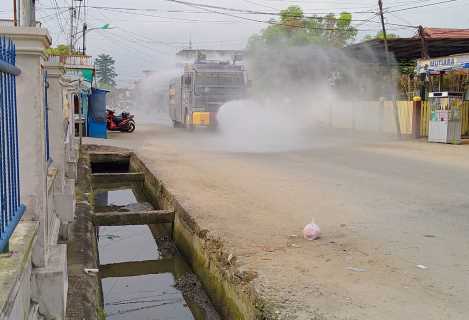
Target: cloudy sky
x=147, y=33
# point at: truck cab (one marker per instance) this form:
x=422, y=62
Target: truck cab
x=196, y=96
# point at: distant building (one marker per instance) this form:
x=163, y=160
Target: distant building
x=208, y=54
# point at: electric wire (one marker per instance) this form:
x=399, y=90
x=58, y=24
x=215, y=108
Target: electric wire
x=420, y=6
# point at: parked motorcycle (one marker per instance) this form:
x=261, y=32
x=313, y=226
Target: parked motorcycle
x=124, y=122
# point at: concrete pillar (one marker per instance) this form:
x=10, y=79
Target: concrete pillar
x=64, y=195
x=57, y=125
x=27, y=13
x=71, y=146
x=30, y=49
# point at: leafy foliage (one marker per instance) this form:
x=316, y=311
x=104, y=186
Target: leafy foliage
x=295, y=29
x=380, y=36
x=105, y=71
x=60, y=50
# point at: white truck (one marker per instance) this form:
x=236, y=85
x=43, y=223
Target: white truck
x=196, y=95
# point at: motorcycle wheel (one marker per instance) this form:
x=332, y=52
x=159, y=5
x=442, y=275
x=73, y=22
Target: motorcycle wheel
x=131, y=127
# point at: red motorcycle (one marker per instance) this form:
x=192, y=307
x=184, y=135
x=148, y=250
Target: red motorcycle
x=124, y=122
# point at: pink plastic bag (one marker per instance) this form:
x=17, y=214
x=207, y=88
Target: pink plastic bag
x=311, y=231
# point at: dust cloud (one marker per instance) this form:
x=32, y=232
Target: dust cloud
x=249, y=126
x=151, y=96
x=299, y=94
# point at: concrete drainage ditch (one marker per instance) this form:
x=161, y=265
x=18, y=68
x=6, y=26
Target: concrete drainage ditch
x=141, y=271
x=153, y=258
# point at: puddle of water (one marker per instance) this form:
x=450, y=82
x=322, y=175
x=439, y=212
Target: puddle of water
x=126, y=243
x=125, y=198
x=150, y=296
x=115, y=198
x=142, y=274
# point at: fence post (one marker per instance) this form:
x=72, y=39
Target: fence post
x=416, y=116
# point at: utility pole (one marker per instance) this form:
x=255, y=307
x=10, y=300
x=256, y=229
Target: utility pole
x=386, y=48
x=85, y=28
x=72, y=16
x=388, y=63
x=423, y=43
x=15, y=14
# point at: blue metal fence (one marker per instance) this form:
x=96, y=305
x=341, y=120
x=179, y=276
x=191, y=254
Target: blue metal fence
x=11, y=208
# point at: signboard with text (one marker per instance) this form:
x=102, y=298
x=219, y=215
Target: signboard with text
x=449, y=63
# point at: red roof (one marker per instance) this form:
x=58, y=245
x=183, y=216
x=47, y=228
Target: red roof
x=445, y=33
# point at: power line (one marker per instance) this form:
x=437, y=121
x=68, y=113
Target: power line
x=238, y=11
x=206, y=7
x=169, y=18
x=121, y=10
x=421, y=6
x=58, y=14
x=407, y=3
x=370, y=19
x=259, y=4
x=143, y=45
x=134, y=11
x=54, y=14
x=201, y=5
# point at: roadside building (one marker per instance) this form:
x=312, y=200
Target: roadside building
x=435, y=59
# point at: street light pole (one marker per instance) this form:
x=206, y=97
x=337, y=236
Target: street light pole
x=82, y=34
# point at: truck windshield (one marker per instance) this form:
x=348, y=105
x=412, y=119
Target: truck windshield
x=219, y=79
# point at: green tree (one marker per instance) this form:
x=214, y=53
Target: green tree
x=380, y=36
x=60, y=50
x=295, y=29
x=105, y=71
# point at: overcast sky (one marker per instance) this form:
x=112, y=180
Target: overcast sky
x=148, y=39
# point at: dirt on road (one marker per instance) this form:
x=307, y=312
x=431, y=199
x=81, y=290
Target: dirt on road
x=394, y=218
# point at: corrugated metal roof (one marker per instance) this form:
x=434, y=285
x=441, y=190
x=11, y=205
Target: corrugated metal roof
x=445, y=33
x=439, y=42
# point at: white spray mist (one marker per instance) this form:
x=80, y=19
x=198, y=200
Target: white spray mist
x=298, y=91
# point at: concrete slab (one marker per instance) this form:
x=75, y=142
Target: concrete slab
x=136, y=268
x=121, y=218
x=84, y=289
x=50, y=284
x=71, y=169
x=65, y=207
x=116, y=177
x=15, y=272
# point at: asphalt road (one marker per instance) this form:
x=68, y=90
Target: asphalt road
x=394, y=218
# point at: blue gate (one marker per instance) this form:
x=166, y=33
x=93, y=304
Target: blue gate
x=11, y=208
